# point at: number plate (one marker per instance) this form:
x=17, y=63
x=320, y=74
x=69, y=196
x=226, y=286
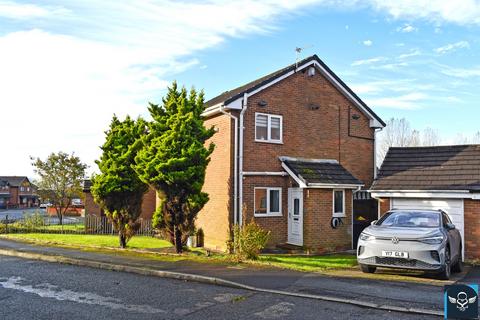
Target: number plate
x=395, y=254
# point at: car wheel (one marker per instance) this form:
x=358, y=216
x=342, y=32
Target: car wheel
x=367, y=269
x=458, y=266
x=445, y=274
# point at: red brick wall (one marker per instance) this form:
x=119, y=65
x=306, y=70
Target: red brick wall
x=13, y=196
x=90, y=206
x=149, y=204
x=384, y=205
x=276, y=225
x=326, y=133
x=214, y=219
x=318, y=235
x=472, y=228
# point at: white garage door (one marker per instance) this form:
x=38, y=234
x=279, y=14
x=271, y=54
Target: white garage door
x=454, y=208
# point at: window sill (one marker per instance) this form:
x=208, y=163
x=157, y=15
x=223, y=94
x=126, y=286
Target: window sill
x=256, y=215
x=339, y=215
x=269, y=141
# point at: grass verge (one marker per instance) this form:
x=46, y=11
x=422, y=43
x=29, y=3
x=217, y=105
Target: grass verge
x=138, y=242
x=310, y=263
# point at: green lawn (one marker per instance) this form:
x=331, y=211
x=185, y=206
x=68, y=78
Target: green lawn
x=138, y=242
x=105, y=242
x=73, y=227
x=309, y=263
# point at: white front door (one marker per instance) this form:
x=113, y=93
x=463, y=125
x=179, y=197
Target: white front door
x=295, y=216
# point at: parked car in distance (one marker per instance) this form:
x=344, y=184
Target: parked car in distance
x=411, y=239
x=45, y=205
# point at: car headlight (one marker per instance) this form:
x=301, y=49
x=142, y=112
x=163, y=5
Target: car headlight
x=432, y=240
x=366, y=237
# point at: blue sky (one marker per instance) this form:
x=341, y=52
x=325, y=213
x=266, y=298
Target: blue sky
x=67, y=66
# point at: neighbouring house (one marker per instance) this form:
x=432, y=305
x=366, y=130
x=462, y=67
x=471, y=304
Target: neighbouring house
x=4, y=193
x=17, y=192
x=91, y=207
x=295, y=152
x=442, y=177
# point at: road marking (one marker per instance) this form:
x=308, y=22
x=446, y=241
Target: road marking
x=278, y=310
x=47, y=290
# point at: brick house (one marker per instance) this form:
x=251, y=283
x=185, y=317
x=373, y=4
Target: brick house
x=91, y=207
x=293, y=150
x=442, y=177
x=17, y=192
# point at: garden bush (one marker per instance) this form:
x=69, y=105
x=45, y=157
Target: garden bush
x=248, y=241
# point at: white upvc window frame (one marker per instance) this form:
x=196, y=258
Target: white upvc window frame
x=269, y=213
x=269, y=127
x=338, y=214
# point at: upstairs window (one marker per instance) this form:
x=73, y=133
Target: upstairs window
x=268, y=128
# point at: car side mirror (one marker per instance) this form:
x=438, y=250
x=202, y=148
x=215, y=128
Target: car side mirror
x=374, y=222
x=450, y=226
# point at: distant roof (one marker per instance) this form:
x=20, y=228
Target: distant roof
x=3, y=183
x=430, y=168
x=14, y=181
x=320, y=171
x=231, y=95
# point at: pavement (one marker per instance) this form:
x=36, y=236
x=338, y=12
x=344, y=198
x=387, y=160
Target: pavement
x=395, y=294
x=31, y=289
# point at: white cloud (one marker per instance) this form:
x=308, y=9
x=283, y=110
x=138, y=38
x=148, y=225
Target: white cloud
x=390, y=66
x=407, y=28
x=461, y=72
x=452, y=47
x=412, y=53
x=61, y=88
x=408, y=101
x=458, y=11
x=368, y=43
x=367, y=61
x=13, y=10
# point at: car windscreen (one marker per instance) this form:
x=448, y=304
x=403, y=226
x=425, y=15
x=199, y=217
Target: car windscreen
x=410, y=219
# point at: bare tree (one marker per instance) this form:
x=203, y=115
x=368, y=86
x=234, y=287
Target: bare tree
x=397, y=133
x=476, y=137
x=461, y=139
x=430, y=137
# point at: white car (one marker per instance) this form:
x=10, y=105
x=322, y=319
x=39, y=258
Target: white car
x=411, y=239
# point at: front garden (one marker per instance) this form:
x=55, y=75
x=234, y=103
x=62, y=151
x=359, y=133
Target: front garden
x=161, y=250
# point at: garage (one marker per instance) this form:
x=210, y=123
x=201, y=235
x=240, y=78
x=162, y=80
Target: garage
x=454, y=208
x=439, y=177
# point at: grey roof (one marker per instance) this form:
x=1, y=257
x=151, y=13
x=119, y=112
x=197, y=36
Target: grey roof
x=3, y=183
x=430, y=168
x=14, y=181
x=231, y=95
x=320, y=171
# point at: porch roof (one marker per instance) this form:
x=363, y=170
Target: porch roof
x=319, y=173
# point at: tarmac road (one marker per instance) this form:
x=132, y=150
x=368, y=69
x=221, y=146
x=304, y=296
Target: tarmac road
x=38, y=290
